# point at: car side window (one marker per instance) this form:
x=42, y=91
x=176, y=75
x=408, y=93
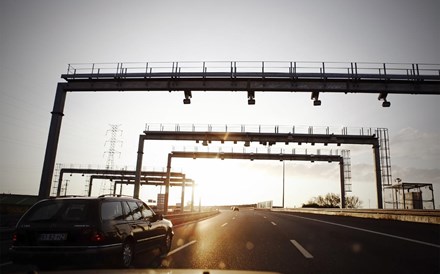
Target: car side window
x=136, y=211
x=127, y=211
x=111, y=211
x=146, y=211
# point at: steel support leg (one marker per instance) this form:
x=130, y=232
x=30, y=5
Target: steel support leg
x=341, y=168
x=378, y=174
x=182, y=201
x=52, y=142
x=167, y=183
x=137, y=180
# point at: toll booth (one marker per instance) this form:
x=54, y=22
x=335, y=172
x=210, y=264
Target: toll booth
x=411, y=196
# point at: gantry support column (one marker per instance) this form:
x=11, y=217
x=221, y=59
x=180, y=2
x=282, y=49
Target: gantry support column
x=60, y=182
x=376, y=152
x=341, y=173
x=167, y=184
x=182, y=199
x=52, y=142
x=192, y=196
x=140, y=154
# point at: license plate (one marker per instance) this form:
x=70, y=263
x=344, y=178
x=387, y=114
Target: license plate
x=53, y=237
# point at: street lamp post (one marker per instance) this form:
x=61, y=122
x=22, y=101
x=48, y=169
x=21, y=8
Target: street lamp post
x=284, y=171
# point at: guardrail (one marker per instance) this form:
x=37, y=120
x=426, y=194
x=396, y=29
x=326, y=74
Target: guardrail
x=181, y=218
x=237, y=69
x=325, y=130
x=265, y=150
x=419, y=216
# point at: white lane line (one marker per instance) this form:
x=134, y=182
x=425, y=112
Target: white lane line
x=4, y=264
x=264, y=217
x=225, y=224
x=180, y=248
x=301, y=249
x=233, y=218
x=369, y=231
x=273, y=223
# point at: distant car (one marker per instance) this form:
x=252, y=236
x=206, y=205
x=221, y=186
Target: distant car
x=83, y=229
x=236, y=208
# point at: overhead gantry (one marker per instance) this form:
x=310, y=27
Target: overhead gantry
x=257, y=156
x=250, y=77
x=154, y=177
x=368, y=137
x=152, y=181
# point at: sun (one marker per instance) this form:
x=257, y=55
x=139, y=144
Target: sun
x=223, y=182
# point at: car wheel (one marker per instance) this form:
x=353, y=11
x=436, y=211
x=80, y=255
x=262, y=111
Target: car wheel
x=127, y=254
x=167, y=243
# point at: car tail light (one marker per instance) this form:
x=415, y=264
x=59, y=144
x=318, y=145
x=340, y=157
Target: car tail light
x=14, y=238
x=97, y=236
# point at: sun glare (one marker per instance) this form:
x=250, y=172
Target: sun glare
x=228, y=182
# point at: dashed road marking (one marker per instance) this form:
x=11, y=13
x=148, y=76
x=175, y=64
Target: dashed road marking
x=369, y=231
x=301, y=249
x=225, y=224
x=273, y=223
x=180, y=248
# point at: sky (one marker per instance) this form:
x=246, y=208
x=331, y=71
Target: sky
x=38, y=39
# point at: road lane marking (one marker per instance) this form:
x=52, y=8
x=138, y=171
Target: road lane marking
x=301, y=249
x=225, y=224
x=180, y=248
x=4, y=264
x=233, y=218
x=273, y=223
x=369, y=231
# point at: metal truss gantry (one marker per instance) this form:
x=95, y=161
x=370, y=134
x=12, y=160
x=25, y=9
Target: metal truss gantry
x=260, y=156
x=155, y=177
x=250, y=77
x=152, y=181
x=368, y=137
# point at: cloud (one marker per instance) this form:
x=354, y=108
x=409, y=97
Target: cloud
x=412, y=147
x=417, y=175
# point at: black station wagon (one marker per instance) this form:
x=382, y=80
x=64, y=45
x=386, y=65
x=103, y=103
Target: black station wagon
x=103, y=229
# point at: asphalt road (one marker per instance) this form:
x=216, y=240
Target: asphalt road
x=306, y=243
x=298, y=243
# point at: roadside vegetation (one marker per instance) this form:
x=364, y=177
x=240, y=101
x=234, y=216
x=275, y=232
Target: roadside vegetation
x=333, y=200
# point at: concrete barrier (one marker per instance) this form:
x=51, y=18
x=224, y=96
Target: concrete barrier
x=419, y=216
x=181, y=218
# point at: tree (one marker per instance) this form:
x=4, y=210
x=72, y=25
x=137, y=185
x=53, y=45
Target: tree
x=352, y=202
x=332, y=200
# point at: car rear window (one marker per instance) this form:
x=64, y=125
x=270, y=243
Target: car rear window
x=61, y=210
x=44, y=212
x=111, y=211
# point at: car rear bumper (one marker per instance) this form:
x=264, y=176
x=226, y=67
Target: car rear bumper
x=60, y=254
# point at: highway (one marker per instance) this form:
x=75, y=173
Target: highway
x=306, y=243
x=298, y=243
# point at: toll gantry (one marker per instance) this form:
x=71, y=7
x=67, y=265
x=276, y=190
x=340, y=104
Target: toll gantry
x=250, y=77
x=341, y=157
x=271, y=135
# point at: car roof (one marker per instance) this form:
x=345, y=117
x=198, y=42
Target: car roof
x=101, y=197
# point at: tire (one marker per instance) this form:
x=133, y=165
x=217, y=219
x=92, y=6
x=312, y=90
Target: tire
x=127, y=255
x=167, y=243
